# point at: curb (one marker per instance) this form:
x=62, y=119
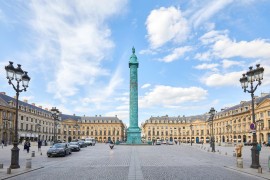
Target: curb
x=242, y=170
x=20, y=173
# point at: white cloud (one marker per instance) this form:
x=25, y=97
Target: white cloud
x=213, y=36
x=207, y=66
x=228, y=79
x=166, y=24
x=145, y=86
x=227, y=48
x=170, y=96
x=74, y=37
x=227, y=63
x=203, y=56
x=208, y=10
x=120, y=114
x=177, y=53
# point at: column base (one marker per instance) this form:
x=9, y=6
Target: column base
x=134, y=135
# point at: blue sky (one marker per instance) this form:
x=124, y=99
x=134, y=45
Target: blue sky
x=191, y=53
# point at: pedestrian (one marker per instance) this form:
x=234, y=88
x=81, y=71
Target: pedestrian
x=27, y=146
x=3, y=142
x=39, y=145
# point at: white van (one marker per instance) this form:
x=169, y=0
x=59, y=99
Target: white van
x=90, y=141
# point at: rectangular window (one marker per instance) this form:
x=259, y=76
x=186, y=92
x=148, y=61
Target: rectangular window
x=26, y=127
x=26, y=118
x=31, y=119
x=22, y=125
x=261, y=115
x=268, y=113
x=21, y=117
x=35, y=120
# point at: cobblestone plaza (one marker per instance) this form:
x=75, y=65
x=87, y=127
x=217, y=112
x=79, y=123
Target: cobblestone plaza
x=137, y=162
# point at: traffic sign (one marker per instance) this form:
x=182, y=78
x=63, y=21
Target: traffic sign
x=252, y=126
x=252, y=131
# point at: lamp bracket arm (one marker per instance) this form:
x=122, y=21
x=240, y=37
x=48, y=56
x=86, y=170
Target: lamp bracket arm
x=256, y=87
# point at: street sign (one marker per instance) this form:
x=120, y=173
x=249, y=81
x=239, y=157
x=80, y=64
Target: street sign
x=252, y=131
x=252, y=126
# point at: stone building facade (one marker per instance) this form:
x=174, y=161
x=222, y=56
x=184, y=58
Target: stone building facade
x=231, y=125
x=35, y=123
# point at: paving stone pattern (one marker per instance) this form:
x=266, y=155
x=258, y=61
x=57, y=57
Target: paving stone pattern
x=164, y=162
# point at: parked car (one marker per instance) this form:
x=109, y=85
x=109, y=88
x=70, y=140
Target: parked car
x=75, y=146
x=158, y=142
x=170, y=142
x=59, y=149
x=163, y=142
x=82, y=144
x=90, y=141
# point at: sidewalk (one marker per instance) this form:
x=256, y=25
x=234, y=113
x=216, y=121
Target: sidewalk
x=37, y=161
x=220, y=150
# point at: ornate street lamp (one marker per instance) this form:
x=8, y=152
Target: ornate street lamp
x=211, y=122
x=20, y=76
x=191, y=134
x=55, y=114
x=251, y=76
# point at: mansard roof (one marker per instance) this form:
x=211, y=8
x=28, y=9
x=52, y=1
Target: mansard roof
x=258, y=100
x=66, y=117
x=100, y=118
x=178, y=119
x=7, y=99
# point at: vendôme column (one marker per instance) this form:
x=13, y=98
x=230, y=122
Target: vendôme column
x=133, y=132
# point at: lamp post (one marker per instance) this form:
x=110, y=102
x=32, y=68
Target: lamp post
x=191, y=134
x=259, y=122
x=211, y=121
x=20, y=76
x=55, y=114
x=249, y=77
x=38, y=127
x=228, y=127
x=76, y=126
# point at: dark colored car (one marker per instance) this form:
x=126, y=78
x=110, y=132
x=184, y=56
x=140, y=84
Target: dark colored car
x=59, y=149
x=75, y=146
x=82, y=144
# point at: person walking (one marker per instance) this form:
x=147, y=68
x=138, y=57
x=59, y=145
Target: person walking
x=27, y=146
x=3, y=142
x=39, y=145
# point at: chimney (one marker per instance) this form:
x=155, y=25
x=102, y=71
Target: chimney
x=74, y=115
x=3, y=93
x=33, y=104
x=25, y=100
x=40, y=107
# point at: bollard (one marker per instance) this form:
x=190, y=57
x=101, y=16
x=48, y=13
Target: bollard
x=8, y=170
x=28, y=163
x=260, y=170
x=41, y=153
x=225, y=153
x=239, y=162
x=269, y=163
x=33, y=154
x=1, y=166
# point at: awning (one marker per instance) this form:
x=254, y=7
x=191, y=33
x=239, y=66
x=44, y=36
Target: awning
x=22, y=135
x=33, y=135
x=27, y=135
x=36, y=135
